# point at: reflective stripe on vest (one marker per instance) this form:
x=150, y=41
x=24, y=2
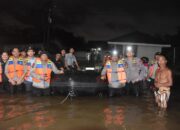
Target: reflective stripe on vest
x=120, y=72
x=17, y=70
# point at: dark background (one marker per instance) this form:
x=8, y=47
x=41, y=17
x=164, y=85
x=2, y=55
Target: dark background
x=66, y=23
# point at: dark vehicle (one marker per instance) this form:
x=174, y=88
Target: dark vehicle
x=83, y=82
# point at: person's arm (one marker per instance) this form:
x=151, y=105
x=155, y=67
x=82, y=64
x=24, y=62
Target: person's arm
x=6, y=71
x=33, y=74
x=103, y=73
x=7, y=74
x=55, y=70
x=65, y=61
x=24, y=74
x=75, y=60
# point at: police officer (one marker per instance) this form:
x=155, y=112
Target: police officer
x=30, y=62
x=134, y=71
x=41, y=74
x=15, y=70
x=115, y=72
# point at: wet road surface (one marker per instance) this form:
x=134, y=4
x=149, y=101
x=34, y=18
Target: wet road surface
x=22, y=112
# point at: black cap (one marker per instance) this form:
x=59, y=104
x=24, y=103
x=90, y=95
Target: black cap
x=44, y=52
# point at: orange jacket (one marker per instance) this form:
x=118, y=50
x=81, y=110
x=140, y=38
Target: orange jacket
x=17, y=70
x=120, y=72
x=39, y=70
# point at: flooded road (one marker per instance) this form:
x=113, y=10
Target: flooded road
x=22, y=112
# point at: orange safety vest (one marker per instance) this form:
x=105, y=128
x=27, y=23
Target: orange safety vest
x=17, y=70
x=120, y=72
x=28, y=68
x=0, y=73
x=39, y=70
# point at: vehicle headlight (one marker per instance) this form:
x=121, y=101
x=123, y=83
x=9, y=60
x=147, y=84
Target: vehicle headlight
x=89, y=68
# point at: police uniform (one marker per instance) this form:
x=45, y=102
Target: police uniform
x=116, y=76
x=134, y=72
x=15, y=71
x=42, y=86
x=30, y=62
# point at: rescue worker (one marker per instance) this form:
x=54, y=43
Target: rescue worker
x=152, y=70
x=134, y=71
x=41, y=74
x=30, y=62
x=114, y=70
x=15, y=71
x=163, y=82
x=4, y=59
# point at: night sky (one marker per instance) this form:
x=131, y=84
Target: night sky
x=93, y=19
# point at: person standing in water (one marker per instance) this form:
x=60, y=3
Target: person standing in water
x=163, y=82
x=152, y=70
x=41, y=75
x=134, y=71
x=30, y=62
x=3, y=61
x=15, y=71
x=114, y=70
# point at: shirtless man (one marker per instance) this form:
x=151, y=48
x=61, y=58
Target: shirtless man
x=163, y=82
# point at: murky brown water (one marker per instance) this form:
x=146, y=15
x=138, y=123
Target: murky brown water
x=23, y=112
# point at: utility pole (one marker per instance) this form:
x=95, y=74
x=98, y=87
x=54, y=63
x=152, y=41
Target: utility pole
x=50, y=20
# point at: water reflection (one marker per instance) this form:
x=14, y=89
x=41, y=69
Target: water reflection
x=122, y=113
x=114, y=116
x=43, y=119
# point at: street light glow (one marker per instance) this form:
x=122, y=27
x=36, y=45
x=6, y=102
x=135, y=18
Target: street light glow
x=115, y=52
x=129, y=48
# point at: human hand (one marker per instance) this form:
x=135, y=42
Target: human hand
x=103, y=77
x=19, y=82
x=12, y=82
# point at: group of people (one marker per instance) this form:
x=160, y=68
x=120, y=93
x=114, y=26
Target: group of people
x=23, y=71
x=129, y=75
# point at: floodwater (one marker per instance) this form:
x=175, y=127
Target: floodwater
x=23, y=112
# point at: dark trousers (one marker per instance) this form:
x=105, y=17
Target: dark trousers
x=151, y=84
x=115, y=92
x=28, y=86
x=13, y=89
x=4, y=86
x=40, y=91
x=134, y=88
